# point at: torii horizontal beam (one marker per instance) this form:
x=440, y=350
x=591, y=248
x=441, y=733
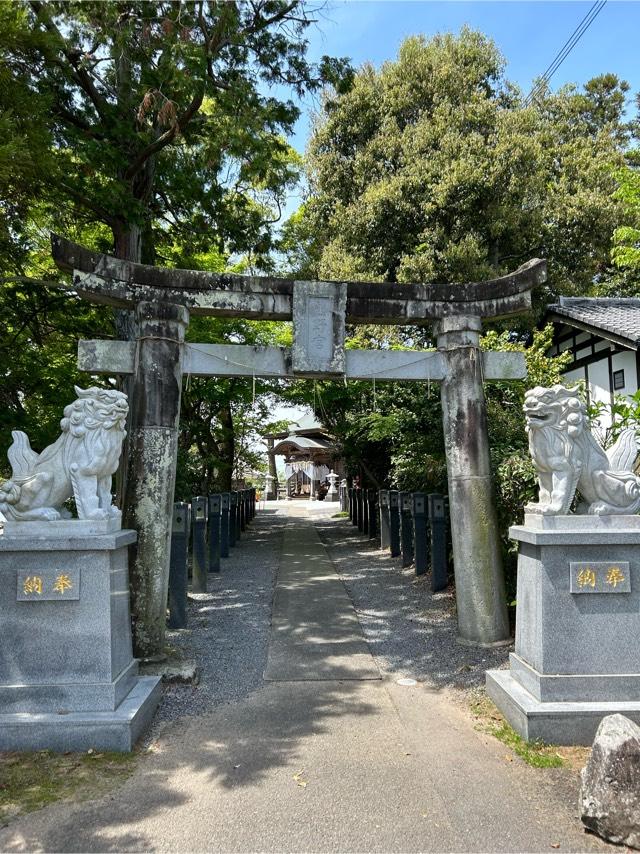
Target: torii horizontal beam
x=104, y=279
x=241, y=360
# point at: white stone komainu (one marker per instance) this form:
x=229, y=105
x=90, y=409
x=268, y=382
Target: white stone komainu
x=80, y=463
x=568, y=458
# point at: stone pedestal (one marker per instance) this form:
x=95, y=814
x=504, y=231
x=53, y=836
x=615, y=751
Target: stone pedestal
x=577, y=652
x=68, y=679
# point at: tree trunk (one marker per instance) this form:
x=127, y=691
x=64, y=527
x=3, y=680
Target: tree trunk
x=228, y=448
x=126, y=242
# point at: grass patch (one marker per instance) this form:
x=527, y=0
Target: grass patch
x=343, y=514
x=30, y=781
x=534, y=753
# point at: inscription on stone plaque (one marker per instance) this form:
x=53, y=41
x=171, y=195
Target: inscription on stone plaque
x=48, y=585
x=318, y=328
x=600, y=577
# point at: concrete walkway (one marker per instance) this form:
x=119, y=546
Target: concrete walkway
x=326, y=756
x=315, y=633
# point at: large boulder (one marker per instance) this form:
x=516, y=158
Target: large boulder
x=610, y=792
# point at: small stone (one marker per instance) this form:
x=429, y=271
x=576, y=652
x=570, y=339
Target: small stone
x=173, y=671
x=610, y=792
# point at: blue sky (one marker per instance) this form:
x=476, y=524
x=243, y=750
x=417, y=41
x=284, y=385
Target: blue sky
x=529, y=35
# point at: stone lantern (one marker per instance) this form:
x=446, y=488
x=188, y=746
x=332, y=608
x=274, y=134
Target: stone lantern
x=332, y=494
x=269, y=492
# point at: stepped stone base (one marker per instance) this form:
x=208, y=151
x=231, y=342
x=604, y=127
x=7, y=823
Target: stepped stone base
x=116, y=730
x=553, y=722
x=68, y=678
x=577, y=651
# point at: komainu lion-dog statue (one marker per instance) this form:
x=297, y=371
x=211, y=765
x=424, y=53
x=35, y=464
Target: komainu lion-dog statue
x=568, y=458
x=80, y=463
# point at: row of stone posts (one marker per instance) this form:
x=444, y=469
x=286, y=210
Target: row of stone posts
x=410, y=525
x=213, y=524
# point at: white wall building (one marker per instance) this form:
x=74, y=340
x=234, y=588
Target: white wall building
x=603, y=336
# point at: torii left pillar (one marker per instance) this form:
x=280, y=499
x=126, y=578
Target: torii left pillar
x=153, y=454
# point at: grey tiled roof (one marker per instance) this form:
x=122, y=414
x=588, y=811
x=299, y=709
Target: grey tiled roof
x=617, y=319
x=304, y=443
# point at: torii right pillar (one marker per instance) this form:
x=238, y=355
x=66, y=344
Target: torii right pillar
x=480, y=592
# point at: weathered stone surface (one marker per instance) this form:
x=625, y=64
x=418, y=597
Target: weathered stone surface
x=567, y=457
x=80, y=463
x=105, y=279
x=610, y=792
x=83, y=637
x=554, y=723
x=71, y=528
x=460, y=364
x=172, y=671
x=318, y=328
x=577, y=656
x=482, y=612
x=116, y=730
x=150, y=477
x=68, y=679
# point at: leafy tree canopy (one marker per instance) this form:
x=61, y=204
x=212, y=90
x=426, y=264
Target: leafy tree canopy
x=158, y=115
x=431, y=169
x=626, y=250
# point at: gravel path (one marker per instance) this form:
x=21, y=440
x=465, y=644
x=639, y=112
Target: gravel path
x=411, y=631
x=228, y=627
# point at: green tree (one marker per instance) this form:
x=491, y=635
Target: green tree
x=626, y=238
x=431, y=169
x=161, y=112
x=152, y=130
x=221, y=419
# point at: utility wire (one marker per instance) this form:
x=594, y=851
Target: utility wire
x=569, y=42
x=566, y=49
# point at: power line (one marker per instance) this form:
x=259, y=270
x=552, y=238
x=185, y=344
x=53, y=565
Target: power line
x=567, y=46
x=566, y=49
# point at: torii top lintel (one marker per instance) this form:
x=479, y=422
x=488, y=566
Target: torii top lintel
x=104, y=279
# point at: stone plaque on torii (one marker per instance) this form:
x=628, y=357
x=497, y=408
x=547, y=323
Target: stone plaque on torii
x=163, y=299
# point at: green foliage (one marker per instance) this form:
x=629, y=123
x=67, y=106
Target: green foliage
x=154, y=131
x=222, y=419
x=431, y=169
x=534, y=753
x=626, y=250
x=41, y=325
x=30, y=781
x=512, y=468
x=158, y=119
x=622, y=413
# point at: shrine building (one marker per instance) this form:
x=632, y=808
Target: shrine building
x=310, y=453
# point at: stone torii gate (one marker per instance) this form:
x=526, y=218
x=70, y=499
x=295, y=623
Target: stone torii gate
x=157, y=359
